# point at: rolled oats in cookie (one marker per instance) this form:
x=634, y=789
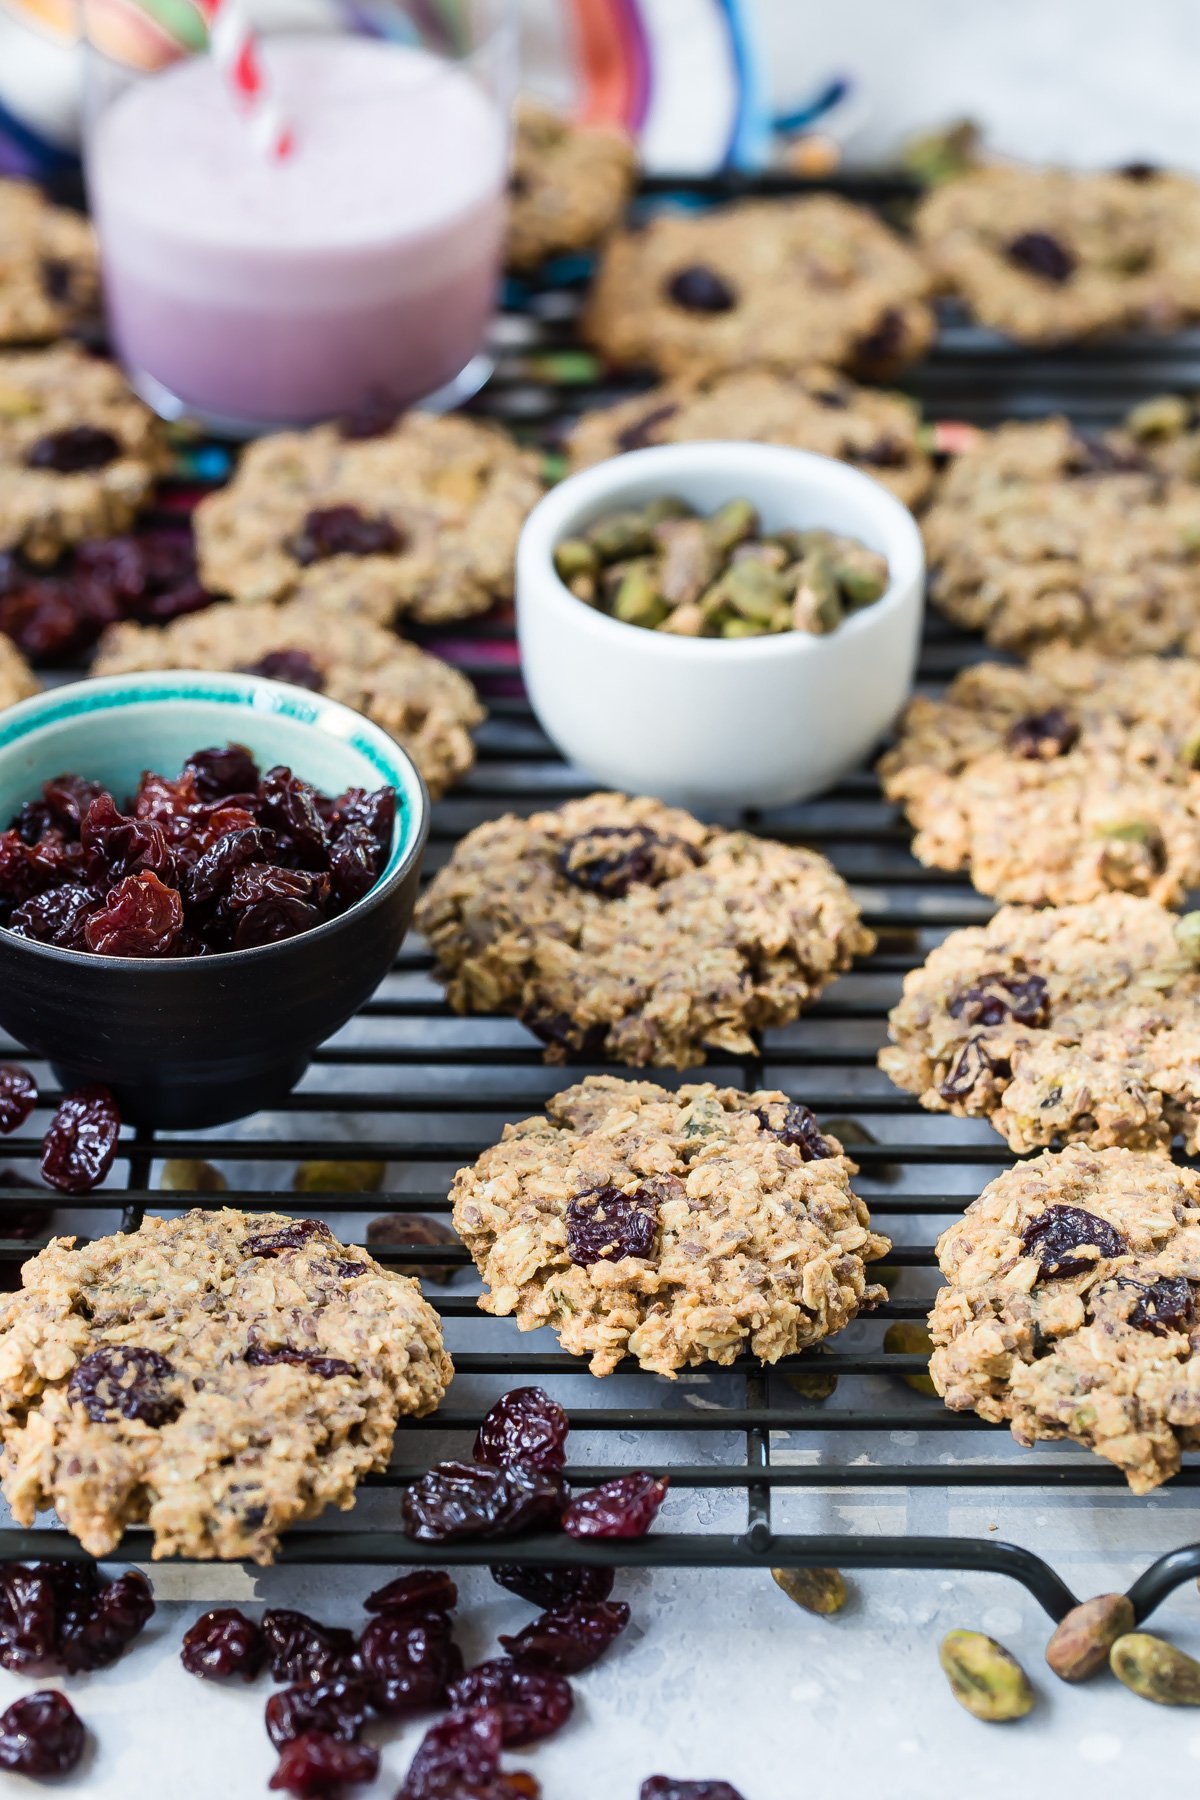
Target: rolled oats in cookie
x=1070, y=1307
x=49, y=279
x=79, y=453
x=419, y=519
x=428, y=707
x=794, y=282
x=810, y=409
x=569, y=186
x=1073, y=1023
x=17, y=679
x=624, y=927
x=674, y=1228
x=1074, y=777
x=217, y=1377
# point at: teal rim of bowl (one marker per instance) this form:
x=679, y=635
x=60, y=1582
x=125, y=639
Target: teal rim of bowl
x=261, y=697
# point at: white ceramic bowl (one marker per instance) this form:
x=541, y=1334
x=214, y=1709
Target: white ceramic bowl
x=709, y=722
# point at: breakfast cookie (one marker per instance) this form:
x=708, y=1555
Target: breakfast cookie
x=421, y=518
x=1065, y=1023
x=78, y=452
x=1050, y=255
x=1071, y=1307
x=48, y=272
x=17, y=679
x=809, y=409
x=814, y=280
x=218, y=1377
x=1038, y=532
x=428, y=707
x=569, y=184
x=677, y=1228
x=1060, y=781
x=627, y=928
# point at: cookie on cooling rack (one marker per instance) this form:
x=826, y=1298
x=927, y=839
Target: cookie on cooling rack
x=570, y=184
x=1073, y=1023
x=1073, y=777
x=624, y=927
x=676, y=1228
x=1070, y=1308
x=49, y=279
x=814, y=280
x=17, y=679
x=810, y=409
x=428, y=707
x=217, y=1377
x=79, y=454
x=419, y=519
x=1051, y=255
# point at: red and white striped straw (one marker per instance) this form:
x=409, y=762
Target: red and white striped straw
x=238, y=54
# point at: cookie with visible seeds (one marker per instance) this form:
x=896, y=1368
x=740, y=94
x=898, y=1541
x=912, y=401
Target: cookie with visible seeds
x=17, y=679
x=624, y=927
x=676, y=1228
x=1070, y=1307
x=428, y=707
x=569, y=185
x=49, y=278
x=793, y=282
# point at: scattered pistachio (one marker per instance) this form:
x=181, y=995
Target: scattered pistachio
x=984, y=1677
x=1165, y=416
x=810, y=1384
x=937, y=156
x=182, y=1174
x=1187, y=935
x=338, y=1178
x=414, y=1228
x=909, y=1337
x=816, y=1590
x=1155, y=1670
x=1083, y=1639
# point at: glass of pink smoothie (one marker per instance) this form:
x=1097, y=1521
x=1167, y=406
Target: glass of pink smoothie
x=251, y=292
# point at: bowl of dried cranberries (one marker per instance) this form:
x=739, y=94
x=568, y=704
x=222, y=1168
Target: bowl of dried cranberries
x=202, y=877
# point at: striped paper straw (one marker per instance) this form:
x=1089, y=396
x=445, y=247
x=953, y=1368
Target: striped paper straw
x=238, y=55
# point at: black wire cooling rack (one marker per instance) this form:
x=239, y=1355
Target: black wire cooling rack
x=411, y=1084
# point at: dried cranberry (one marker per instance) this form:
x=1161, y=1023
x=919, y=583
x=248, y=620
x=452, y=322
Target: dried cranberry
x=1039, y=737
x=302, y=1649
x=1043, y=255
x=1168, y=1304
x=343, y=531
x=288, y=805
x=294, y=666
x=40, y=1734
x=1139, y=171
x=57, y=917
x=796, y=1126
x=353, y=864
x=18, y=1096
x=552, y=1588
x=413, y=1229
x=644, y=430
x=259, y=1356
x=33, y=1604
x=220, y=772
x=998, y=995
x=32, y=821
x=169, y=803
x=610, y=859
x=68, y=798
x=222, y=1644
x=23, y=872
x=140, y=917
x=374, y=811
x=409, y=1659
x=124, y=1379
x=211, y=875
x=115, y=846
x=73, y=450
x=526, y=1426
x=317, y=1764
x=425, y=1590
x=339, y=1708
x=570, y=1638
x=532, y=1703
x=886, y=452
x=459, y=1759
x=604, y=1225
x=270, y=904
x=79, y=1148
x=456, y=1500
x=58, y=278
x=972, y=1064
x=623, y=1508
x=701, y=290
x=1056, y=1234
x=292, y=1236
x=666, y=1787
x=883, y=346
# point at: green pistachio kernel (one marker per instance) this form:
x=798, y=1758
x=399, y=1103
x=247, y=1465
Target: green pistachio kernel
x=1155, y=1670
x=821, y=1591
x=736, y=520
x=574, y=558
x=619, y=535
x=862, y=576
x=984, y=1677
x=667, y=506
x=753, y=592
x=742, y=628
x=638, y=601
x=909, y=1337
x=182, y=1174
x=1165, y=416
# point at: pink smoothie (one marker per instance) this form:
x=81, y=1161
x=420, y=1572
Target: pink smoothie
x=274, y=292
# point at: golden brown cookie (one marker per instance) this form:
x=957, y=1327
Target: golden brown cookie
x=569, y=186
x=48, y=274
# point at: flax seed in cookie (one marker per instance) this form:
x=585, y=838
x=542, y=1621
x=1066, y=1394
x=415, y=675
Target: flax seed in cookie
x=673, y=1228
x=48, y=275
x=570, y=184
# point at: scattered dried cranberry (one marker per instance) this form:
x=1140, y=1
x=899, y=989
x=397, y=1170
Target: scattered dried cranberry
x=1056, y=1234
x=141, y=917
x=972, y=1064
x=222, y=1644
x=610, y=859
x=526, y=1426
x=623, y=1508
x=60, y=1615
x=302, y=1649
x=1139, y=171
x=604, y=1224
x=343, y=531
x=151, y=577
x=701, y=290
x=795, y=1125
x=665, y=1787
x=410, y=1229
x=425, y=1590
x=552, y=1588
x=1168, y=1304
x=95, y=1636
x=568, y=1639
x=40, y=1734
x=532, y=1703
x=456, y=1500
x=1040, y=737
x=18, y=1096
x=339, y=1708
x=123, y=1379
x=317, y=1764
x=326, y=1366
x=294, y=666
x=459, y=1759
x=292, y=1236
x=409, y=1660
x=1043, y=255
x=79, y=1148
x=996, y=996
x=73, y=450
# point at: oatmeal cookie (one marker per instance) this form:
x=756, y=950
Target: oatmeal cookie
x=814, y=280
x=1071, y=1307
x=569, y=185
x=1051, y=255
x=78, y=452
x=1067, y=1023
x=810, y=409
x=218, y=1377
x=420, y=519
x=677, y=1228
x=428, y=707
x=627, y=928
x=48, y=272
x=17, y=679
x=1061, y=781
